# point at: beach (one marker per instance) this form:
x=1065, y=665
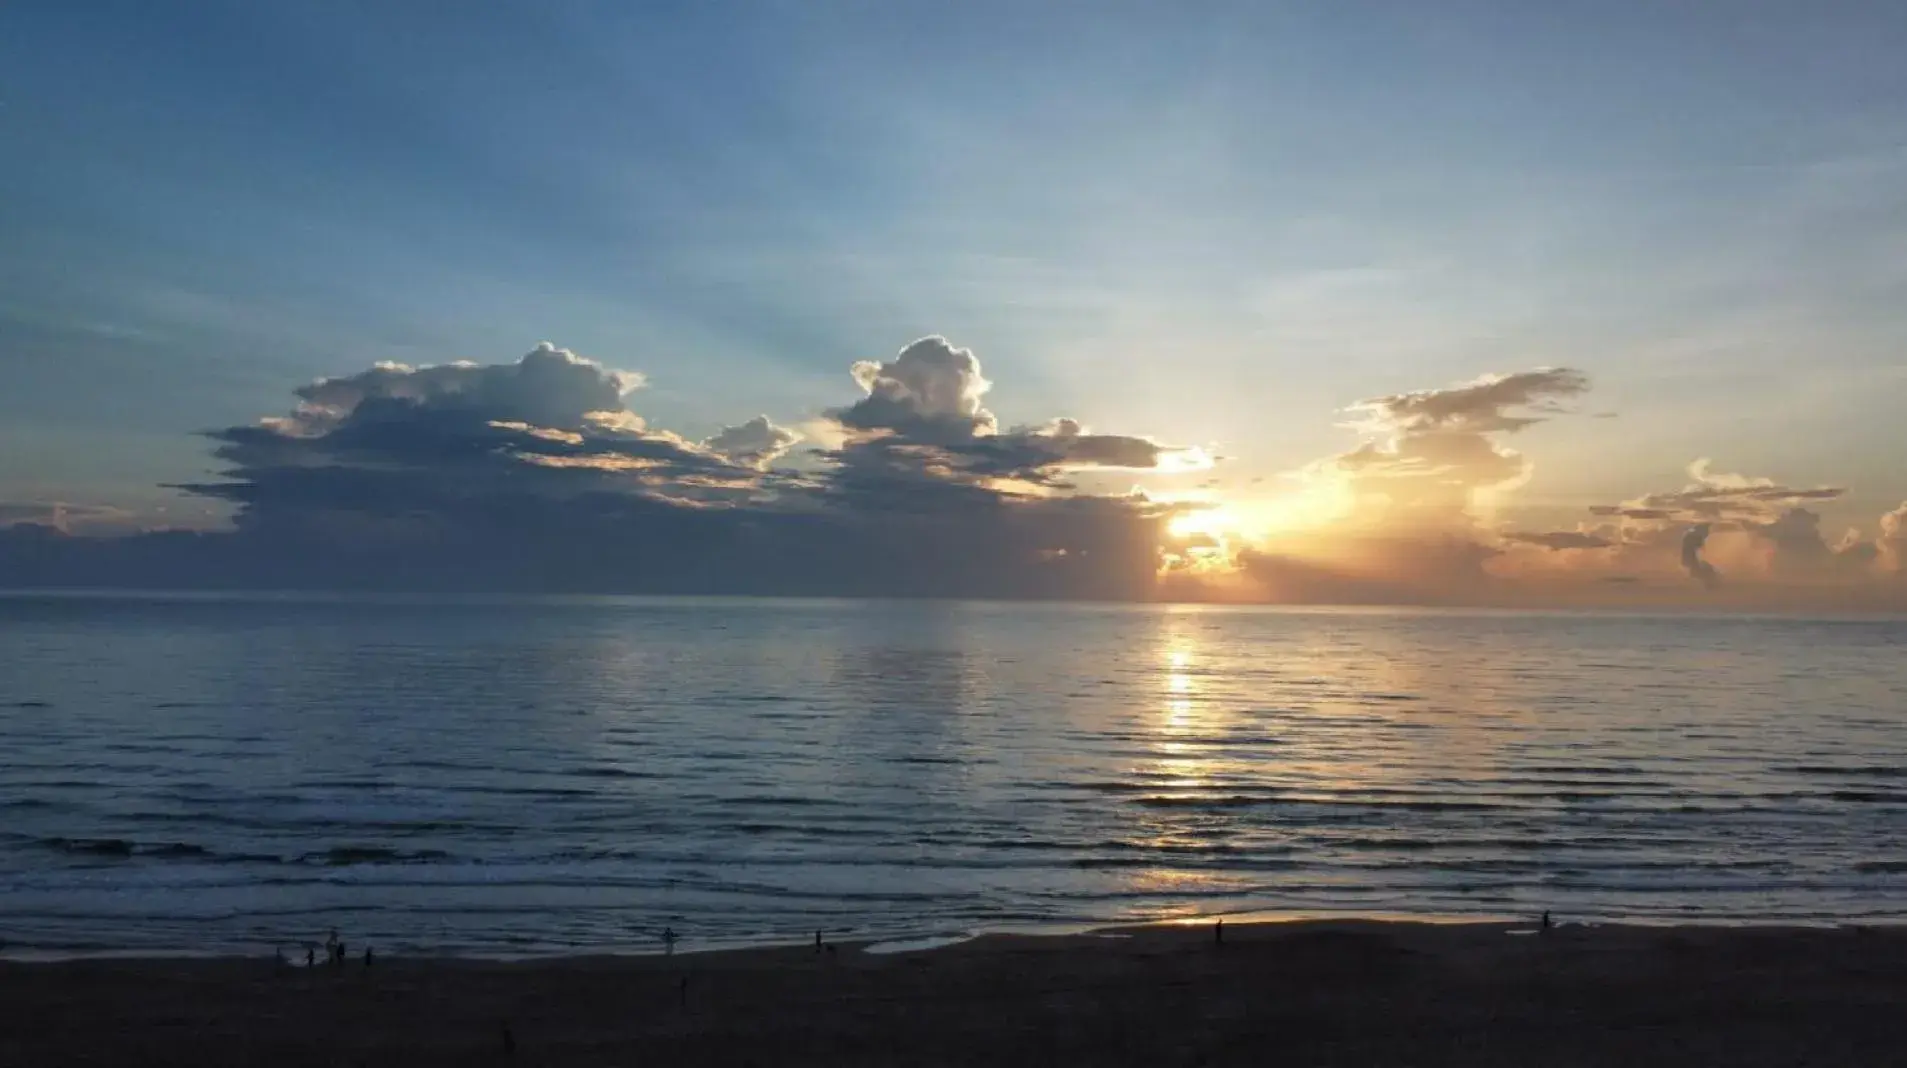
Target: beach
x=1313, y=992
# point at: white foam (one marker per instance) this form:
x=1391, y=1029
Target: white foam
x=916, y=945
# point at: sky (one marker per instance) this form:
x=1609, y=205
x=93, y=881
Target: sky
x=1168, y=276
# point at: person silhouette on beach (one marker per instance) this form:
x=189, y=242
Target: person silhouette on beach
x=817, y=941
x=1218, y=933
x=367, y=956
x=311, y=956
x=1546, y=924
x=668, y=941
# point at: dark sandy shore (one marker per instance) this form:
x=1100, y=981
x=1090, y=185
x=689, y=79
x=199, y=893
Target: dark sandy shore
x=1314, y=993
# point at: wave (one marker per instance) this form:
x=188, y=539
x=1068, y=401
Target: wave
x=789, y=801
x=1576, y=868
x=1113, y=862
x=756, y=829
x=1224, y=801
x=1537, y=841
x=611, y=773
x=1848, y=771
x=304, y=824
x=1191, y=862
x=97, y=847
x=178, y=849
x=978, y=842
x=1584, y=769
x=1402, y=845
x=346, y=855
x=333, y=856
x=126, y=849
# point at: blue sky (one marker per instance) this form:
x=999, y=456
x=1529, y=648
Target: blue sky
x=1209, y=223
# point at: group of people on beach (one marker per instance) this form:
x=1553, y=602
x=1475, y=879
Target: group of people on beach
x=334, y=953
x=334, y=947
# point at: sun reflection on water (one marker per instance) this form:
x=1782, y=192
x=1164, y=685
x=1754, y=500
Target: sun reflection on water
x=1232, y=747
x=1179, y=765
x=1181, y=759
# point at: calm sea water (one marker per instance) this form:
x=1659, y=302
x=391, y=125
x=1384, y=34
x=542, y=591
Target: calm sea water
x=516, y=776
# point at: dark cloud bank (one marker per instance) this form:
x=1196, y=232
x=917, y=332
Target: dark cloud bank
x=535, y=476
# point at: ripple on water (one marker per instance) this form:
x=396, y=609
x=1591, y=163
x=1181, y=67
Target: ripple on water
x=541, y=775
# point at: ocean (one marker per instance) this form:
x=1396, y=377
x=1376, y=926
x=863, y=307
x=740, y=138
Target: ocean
x=516, y=776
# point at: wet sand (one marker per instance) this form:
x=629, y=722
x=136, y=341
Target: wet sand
x=1312, y=993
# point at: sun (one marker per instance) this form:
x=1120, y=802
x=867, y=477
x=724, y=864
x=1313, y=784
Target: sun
x=1215, y=522
x=1218, y=525
x=1233, y=523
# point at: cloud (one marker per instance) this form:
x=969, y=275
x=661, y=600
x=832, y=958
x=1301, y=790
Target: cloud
x=1797, y=548
x=1430, y=454
x=756, y=443
x=1362, y=568
x=1631, y=513
x=929, y=392
x=1692, y=543
x=549, y=387
x=1066, y=442
x=535, y=475
x=403, y=446
x=1557, y=540
x=920, y=435
x=1408, y=506
x=1481, y=406
x=67, y=517
x=1892, y=542
x=1854, y=553
x=1720, y=497
x=1763, y=527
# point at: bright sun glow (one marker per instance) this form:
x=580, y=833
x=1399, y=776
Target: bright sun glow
x=1216, y=522
x=1234, y=523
